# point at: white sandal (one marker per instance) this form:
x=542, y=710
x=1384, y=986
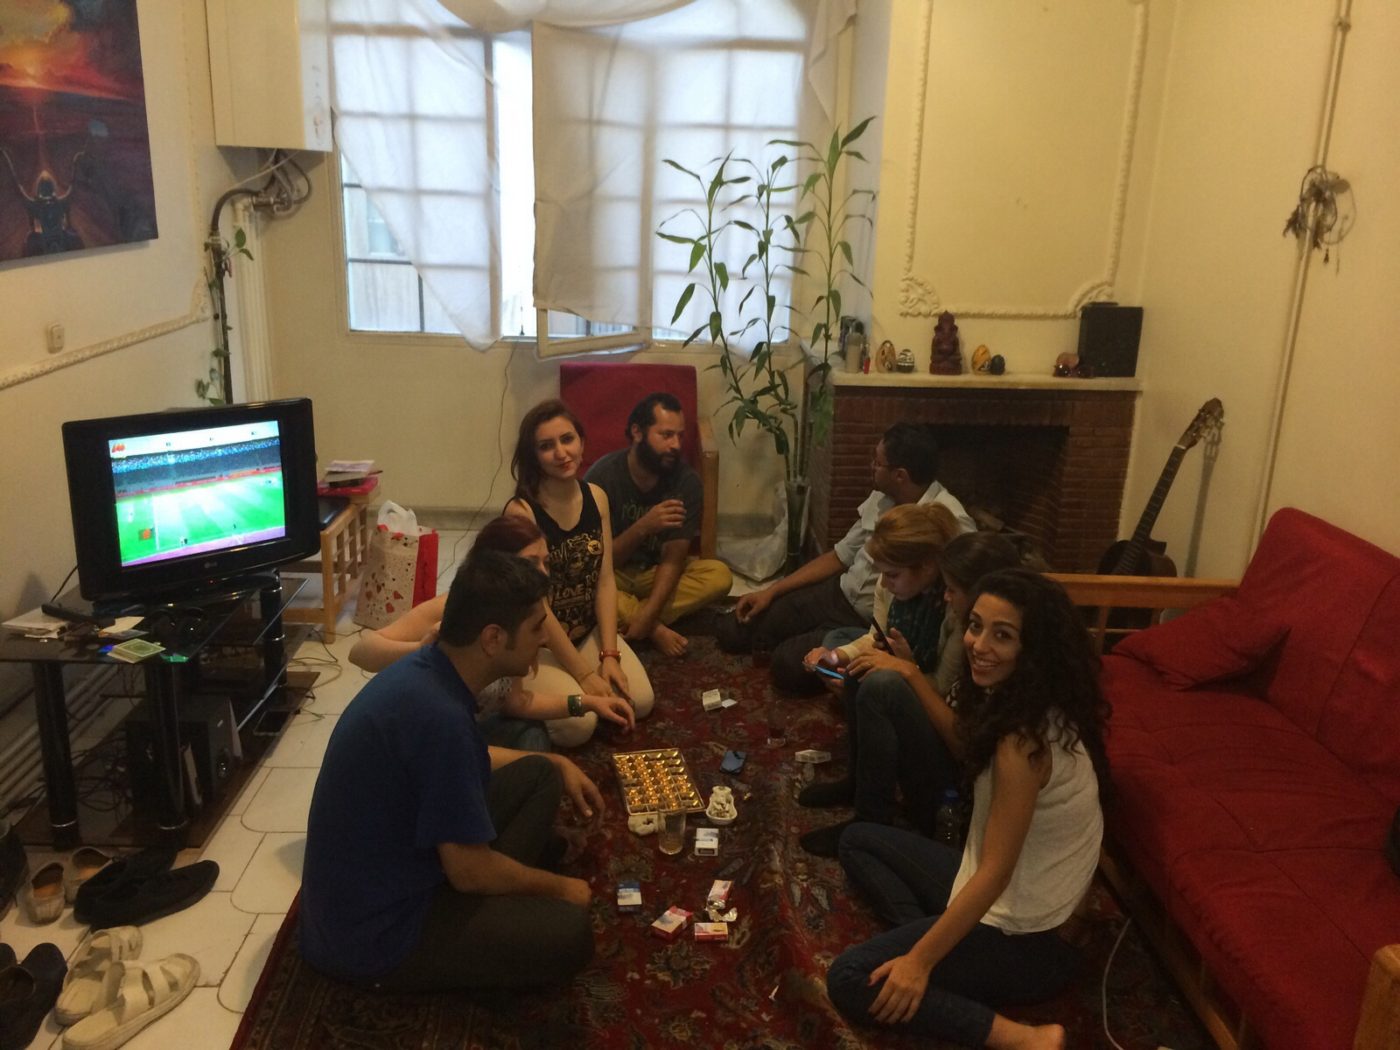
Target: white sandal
x=87, y=971
x=135, y=994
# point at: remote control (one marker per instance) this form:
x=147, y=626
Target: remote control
x=62, y=612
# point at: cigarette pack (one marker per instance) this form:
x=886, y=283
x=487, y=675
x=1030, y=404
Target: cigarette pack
x=707, y=842
x=629, y=896
x=670, y=923
x=712, y=931
x=811, y=755
x=719, y=893
x=711, y=699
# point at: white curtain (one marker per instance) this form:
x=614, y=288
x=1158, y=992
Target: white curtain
x=687, y=79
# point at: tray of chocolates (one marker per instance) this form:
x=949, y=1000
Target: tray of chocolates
x=656, y=779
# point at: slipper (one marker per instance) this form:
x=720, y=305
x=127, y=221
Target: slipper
x=85, y=862
x=134, y=995
x=43, y=897
x=27, y=992
x=135, y=900
x=87, y=972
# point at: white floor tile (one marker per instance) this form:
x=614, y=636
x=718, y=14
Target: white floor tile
x=273, y=876
x=211, y=930
x=282, y=802
x=232, y=846
x=303, y=743
x=242, y=978
x=240, y=804
x=197, y=1022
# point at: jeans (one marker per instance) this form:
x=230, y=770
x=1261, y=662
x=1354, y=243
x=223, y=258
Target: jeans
x=909, y=880
x=521, y=734
x=503, y=941
x=893, y=743
x=791, y=627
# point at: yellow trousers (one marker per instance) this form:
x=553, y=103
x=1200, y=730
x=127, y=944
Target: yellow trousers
x=704, y=580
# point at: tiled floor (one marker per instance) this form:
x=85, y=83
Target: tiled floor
x=259, y=847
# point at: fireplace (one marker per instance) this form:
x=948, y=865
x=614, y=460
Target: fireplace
x=1047, y=458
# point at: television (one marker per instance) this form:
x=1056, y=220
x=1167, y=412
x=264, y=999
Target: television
x=168, y=505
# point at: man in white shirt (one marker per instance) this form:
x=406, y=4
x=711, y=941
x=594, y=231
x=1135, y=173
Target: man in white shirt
x=791, y=616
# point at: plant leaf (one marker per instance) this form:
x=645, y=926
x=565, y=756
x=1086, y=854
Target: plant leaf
x=697, y=252
x=681, y=303
x=722, y=272
x=856, y=132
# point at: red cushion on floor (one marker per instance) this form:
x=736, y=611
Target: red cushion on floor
x=1220, y=640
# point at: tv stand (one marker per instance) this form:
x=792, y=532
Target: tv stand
x=243, y=615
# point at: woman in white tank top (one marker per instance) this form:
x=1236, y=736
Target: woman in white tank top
x=976, y=932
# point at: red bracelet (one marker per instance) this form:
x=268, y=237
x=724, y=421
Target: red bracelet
x=603, y=654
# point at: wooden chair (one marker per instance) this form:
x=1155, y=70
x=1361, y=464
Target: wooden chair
x=603, y=394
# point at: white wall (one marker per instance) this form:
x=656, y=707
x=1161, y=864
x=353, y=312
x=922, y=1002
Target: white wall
x=105, y=297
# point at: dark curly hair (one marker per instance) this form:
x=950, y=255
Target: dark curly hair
x=1056, y=676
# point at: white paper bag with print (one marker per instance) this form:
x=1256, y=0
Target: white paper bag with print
x=391, y=567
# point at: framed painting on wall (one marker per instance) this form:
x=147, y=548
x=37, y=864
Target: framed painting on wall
x=75, y=152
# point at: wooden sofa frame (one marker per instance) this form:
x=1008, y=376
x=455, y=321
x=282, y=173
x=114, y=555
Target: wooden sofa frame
x=1379, y=1025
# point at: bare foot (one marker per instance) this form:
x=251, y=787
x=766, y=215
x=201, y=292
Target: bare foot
x=1008, y=1035
x=668, y=641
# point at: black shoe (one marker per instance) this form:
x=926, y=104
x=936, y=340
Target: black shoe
x=27, y=993
x=134, y=867
x=134, y=901
x=824, y=841
x=825, y=793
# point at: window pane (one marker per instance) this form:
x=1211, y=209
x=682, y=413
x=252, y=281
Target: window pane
x=384, y=297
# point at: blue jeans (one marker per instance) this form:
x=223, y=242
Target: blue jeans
x=893, y=744
x=909, y=879
x=521, y=734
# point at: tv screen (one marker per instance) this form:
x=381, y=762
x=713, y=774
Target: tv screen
x=178, y=501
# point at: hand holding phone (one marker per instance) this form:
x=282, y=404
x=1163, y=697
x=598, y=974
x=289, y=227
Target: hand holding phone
x=830, y=672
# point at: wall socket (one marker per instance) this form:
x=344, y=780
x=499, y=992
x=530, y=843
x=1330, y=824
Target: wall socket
x=54, y=335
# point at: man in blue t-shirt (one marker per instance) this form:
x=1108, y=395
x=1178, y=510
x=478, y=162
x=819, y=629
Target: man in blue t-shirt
x=655, y=500
x=426, y=849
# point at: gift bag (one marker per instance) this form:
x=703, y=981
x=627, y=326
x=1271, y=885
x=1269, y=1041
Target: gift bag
x=400, y=568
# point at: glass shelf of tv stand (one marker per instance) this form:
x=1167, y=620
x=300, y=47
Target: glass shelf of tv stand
x=217, y=646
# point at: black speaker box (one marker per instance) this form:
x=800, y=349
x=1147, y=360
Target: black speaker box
x=209, y=743
x=1108, y=338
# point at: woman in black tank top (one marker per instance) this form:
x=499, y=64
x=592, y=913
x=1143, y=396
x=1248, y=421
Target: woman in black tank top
x=573, y=516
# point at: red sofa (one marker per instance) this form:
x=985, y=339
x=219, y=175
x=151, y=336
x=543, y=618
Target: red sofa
x=1255, y=749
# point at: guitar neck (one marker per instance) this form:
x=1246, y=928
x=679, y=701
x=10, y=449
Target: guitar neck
x=1133, y=552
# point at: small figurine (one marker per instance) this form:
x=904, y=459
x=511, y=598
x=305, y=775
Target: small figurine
x=982, y=359
x=905, y=361
x=886, y=360
x=1072, y=366
x=997, y=365
x=946, y=358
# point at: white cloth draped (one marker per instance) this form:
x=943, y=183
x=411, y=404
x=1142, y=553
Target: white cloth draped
x=618, y=85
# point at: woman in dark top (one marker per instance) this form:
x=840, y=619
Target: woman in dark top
x=585, y=654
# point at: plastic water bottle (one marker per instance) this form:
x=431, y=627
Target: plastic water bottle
x=947, y=820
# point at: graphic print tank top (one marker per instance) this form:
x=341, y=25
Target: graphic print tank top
x=575, y=559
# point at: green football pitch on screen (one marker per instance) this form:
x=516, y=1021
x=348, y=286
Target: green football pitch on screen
x=212, y=516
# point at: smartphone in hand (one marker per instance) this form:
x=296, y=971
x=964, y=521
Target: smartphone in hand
x=830, y=672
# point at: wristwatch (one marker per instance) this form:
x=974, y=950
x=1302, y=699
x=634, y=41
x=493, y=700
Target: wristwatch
x=575, y=705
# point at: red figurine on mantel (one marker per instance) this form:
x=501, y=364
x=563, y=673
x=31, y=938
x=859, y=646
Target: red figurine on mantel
x=945, y=358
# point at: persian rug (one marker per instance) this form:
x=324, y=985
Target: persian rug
x=765, y=986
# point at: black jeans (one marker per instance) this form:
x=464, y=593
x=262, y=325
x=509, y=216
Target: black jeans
x=505, y=941
x=791, y=627
x=909, y=879
x=893, y=743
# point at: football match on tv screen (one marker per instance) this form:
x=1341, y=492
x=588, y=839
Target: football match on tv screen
x=196, y=491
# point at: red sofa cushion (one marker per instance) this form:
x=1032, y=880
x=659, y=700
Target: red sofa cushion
x=1220, y=640
x=603, y=394
x=1326, y=584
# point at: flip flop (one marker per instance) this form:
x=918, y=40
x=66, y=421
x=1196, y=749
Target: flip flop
x=134, y=995
x=87, y=972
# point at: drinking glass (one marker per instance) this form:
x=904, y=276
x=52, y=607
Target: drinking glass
x=671, y=836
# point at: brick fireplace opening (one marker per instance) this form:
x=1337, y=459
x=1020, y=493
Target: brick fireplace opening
x=1048, y=462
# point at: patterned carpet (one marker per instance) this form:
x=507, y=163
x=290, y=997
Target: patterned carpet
x=764, y=987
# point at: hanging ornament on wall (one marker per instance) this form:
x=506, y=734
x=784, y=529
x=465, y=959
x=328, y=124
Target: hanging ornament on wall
x=1325, y=211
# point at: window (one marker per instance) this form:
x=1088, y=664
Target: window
x=447, y=107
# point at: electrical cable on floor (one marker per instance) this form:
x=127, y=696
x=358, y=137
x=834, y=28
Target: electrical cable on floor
x=1121, y=934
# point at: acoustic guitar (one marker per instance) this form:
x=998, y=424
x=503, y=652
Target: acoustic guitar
x=1141, y=555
